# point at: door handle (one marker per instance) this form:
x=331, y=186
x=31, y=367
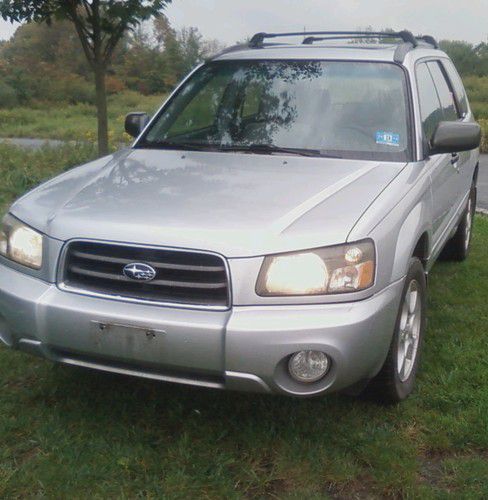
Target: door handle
x=454, y=161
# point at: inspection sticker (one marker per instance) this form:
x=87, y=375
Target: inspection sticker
x=387, y=138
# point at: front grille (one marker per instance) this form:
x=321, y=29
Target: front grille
x=182, y=277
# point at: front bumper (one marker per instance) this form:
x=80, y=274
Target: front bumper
x=245, y=348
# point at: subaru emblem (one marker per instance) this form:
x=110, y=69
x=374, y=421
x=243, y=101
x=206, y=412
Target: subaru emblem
x=139, y=272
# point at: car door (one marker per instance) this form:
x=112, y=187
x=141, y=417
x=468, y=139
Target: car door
x=443, y=168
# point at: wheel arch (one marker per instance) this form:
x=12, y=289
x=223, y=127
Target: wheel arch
x=414, y=240
x=476, y=172
x=421, y=250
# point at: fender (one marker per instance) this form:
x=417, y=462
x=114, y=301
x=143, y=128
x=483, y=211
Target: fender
x=410, y=233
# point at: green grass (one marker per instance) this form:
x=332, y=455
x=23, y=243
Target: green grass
x=67, y=432
x=75, y=122
x=23, y=169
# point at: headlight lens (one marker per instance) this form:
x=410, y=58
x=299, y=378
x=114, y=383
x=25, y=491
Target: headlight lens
x=20, y=243
x=330, y=270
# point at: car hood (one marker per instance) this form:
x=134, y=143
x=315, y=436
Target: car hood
x=231, y=203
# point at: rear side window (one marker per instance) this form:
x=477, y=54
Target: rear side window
x=430, y=107
x=446, y=96
x=458, y=87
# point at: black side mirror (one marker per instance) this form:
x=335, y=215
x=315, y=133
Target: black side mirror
x=454, y=137
x=135, y=123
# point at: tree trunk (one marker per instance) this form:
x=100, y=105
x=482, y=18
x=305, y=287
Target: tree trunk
x=101, y=103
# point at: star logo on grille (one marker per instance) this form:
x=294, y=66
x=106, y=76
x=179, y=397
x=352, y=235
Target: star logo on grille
x=139, y=271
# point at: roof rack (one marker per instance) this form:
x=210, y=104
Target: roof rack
x=406, y=36
x=312, y=39
x=408, y=39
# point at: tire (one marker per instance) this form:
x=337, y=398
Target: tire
x=396, y=379
x=457, y=248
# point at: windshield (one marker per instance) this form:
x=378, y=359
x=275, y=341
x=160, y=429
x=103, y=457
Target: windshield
x=323, y=108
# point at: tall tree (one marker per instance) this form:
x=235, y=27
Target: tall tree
x=100, y=25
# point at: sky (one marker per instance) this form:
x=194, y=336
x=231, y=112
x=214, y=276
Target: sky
x=233, y=20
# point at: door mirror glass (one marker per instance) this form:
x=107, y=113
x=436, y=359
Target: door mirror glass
x=135, y=123
x=454, y=137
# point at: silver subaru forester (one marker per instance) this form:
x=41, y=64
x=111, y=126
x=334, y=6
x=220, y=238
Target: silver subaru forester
x=271, y=229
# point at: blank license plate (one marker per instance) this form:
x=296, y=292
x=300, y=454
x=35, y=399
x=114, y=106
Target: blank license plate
x=127, y=341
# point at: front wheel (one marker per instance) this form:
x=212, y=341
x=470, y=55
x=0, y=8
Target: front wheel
x=396, y=380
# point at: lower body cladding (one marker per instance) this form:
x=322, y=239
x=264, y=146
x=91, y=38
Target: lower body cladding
x=244, y=348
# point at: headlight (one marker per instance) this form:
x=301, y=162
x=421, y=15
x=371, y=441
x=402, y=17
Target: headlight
x=330, y=270
x=20, y=243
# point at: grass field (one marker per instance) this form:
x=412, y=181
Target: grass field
x=71, y=433
x=74, y=122
x=23, y=169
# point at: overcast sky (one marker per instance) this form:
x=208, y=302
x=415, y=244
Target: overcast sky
x=233, y=20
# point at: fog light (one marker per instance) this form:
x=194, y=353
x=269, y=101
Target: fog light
x=308, y=366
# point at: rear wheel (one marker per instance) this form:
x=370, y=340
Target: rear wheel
x=396, y=379
x=457, y=248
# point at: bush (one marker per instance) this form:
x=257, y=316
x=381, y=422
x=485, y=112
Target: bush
x=484, y=139
x=114, y=85
x=8, y=96
x=71, y=89
x=477, y=89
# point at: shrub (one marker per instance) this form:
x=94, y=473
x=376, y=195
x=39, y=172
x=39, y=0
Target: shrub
x=484, y=139
x=8, y=96
x=114, y=85
x=477, y=87
x=72, y=89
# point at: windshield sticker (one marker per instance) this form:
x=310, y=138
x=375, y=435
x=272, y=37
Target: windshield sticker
x=387, y=138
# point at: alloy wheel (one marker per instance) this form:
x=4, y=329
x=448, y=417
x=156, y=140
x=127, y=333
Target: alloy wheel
x=409, y=334
x=469, y=223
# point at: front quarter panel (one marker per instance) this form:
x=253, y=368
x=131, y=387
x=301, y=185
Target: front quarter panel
x=396, y=221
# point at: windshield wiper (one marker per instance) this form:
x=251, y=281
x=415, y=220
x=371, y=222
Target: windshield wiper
x=270, y=149
x=247, y=148
x=184, y=146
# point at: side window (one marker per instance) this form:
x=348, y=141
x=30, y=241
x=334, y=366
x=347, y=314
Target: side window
x=430, y=107
x=457, y=85
x=446, y=95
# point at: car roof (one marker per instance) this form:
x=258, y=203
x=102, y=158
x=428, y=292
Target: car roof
x=330, y=51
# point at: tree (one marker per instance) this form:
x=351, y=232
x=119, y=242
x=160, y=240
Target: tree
x=100, y=25
x=191, y=44
x=462, y=54
x=182, y=49
x=167, y=41
x=144, y=67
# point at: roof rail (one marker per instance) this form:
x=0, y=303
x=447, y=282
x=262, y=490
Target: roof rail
x=312, y=39
x=430, y=40
x=409, y=41
x=258, y=39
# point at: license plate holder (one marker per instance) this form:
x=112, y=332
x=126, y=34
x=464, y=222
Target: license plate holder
x=126, y=341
